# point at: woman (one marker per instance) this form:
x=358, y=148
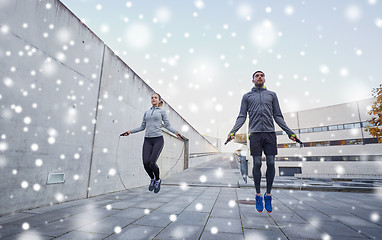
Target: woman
x=153, y=143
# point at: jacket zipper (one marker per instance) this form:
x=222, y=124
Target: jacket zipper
x=262, y=110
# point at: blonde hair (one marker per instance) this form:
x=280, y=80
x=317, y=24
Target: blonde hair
x=160, y=104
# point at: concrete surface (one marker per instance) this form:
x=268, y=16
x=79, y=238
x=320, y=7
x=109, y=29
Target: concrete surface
x=204, y=202
x=64, y=99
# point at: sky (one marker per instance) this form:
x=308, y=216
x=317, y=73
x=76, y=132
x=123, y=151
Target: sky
x=200, y=55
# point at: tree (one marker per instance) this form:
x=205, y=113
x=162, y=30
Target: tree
x=376, y=112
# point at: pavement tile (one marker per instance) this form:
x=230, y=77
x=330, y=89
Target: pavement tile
x=135, y=232
x=8, y=230
x=180, y=231
x=263, y=234
x=155, y=219
x=81, y=235
x=224, y=225
x=168, y=208
x=302, y=231
x=284, y=218
x=28, y=235
x=41, y=219
x=207, y=235
x=14, y=217
x=131, y=213
x=120, y=204
x=225, y=212
x=63, y=226
x=373, y=232
x=354, y=221
x=200, y=206
x=106, y=225
x=335, y=229
x=149, y=204
x=96, y=214
x=192, y=218
x=258, y=222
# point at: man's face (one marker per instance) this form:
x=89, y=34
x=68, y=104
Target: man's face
x=259, y=79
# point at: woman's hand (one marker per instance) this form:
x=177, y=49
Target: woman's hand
x=125, y=134
x=179, y=136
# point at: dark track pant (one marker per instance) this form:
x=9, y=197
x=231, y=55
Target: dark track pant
x=270, y=174
x=152, y=147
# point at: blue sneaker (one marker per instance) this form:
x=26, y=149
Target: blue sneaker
x=259, y=203
x=268, y=203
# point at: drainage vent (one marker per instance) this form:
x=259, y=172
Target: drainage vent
x=56, y=178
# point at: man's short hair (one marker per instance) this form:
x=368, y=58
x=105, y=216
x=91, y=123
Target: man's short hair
x=253, y=76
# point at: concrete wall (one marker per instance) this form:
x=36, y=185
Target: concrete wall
x=64, y=99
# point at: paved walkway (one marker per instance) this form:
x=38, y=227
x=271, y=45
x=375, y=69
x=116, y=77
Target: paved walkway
x=205, y=202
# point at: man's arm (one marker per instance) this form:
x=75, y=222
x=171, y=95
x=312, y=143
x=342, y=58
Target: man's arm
x=242, y=116
x=278, y=116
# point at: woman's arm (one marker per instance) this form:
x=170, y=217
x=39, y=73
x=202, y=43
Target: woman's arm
x=142, y=127
x=167, y=123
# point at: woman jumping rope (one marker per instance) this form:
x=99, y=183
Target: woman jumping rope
x=153, y=143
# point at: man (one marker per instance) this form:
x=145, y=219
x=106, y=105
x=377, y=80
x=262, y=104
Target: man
x=262, y=107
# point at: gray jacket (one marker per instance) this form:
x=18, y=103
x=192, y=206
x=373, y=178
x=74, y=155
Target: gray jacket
x=152, y=122
x=262, y=107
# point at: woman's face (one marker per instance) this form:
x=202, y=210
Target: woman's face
x=155, y=100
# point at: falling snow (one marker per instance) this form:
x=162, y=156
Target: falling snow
x=201, y=67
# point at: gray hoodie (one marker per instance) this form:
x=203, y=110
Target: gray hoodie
x=262, y=107
x=152, y=122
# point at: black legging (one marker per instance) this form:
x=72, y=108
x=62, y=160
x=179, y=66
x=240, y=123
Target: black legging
x=270, y=174
x=152, y=147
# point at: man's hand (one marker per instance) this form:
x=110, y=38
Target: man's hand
x=230, y=137
x=295, y=138
x=125, y=134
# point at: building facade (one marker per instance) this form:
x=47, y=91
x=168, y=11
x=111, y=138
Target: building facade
x=335, y=142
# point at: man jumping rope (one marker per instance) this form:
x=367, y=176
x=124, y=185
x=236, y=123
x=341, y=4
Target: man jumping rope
x=262, y=107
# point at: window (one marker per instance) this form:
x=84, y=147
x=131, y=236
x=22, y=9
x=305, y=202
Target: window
x=337, y=158
x=332, y=158
x=349, y=126
x=317, y=129
x=370, y=140
x=304, y=130
x=340, y=127
x=332, y=128
x=337, y=143
x=353, y=141
x=366, y=124
x=353, y=158
x=322, y=143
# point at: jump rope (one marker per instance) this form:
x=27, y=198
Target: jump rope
x=117, y=162
x=228, y=140
x=300, y=188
